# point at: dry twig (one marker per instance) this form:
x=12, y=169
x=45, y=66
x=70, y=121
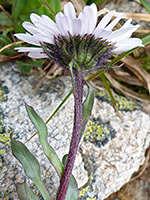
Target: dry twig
x=10, y=45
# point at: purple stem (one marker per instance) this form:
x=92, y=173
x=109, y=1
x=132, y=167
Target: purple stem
x=78, y=96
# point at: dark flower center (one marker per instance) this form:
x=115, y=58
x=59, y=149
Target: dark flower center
x=86, y=53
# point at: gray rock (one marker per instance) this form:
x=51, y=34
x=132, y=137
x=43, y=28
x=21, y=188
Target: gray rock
x=110, y=151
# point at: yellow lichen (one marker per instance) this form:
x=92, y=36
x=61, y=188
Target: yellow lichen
x=121, y=102
x=83, y=191
x=5, y=139
x=89, y=198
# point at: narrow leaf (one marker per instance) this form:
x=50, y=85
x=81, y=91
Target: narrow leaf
x=17, y=7
x=88, y=103
x=42, y=130
x=72, y=192
x=30, y=164
x=97, y=2
x=59, y=106
x=146, y=5
x=107, y=86
x=50, y=153
x=24, y=192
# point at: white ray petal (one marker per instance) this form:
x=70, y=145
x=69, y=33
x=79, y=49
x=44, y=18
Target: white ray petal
x=127, y=23
x=31, y=28
x=44, y=38
x=27, y=38
x=37, y=55
x=128, y=45
x=77, y=26
x=35, y=18
x=28, y=49
x=122, y=34
x=104, y=21
x=50, y=24
x=45, y=30
x=69, y=10
x=114, y=22
x=84, y=23
x=94, y=8
x=90, y=17
x=103, y=34
x=62, y=24
x=70, y=15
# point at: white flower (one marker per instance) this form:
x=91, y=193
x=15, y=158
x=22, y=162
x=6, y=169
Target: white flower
x=44, y=30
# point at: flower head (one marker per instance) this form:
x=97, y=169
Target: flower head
x=77, y=39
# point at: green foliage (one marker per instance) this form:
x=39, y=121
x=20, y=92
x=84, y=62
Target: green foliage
x=50, y=153
x=146, y=63
x=30, y=164
x=5, y=21
x=5, y=41
x=24, y=192
x=107, y=86
x=21, y=10
x=25, y=67
x=146, y=4
x=42, y=131
x=97, y=2
x=88, y=104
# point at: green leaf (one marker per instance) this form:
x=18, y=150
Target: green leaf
x=50, y=153
x=24, y=67
x=17, y=7
x=27, y=66
x=53, y=6
x=72, y=192
x=30, y=164
x=42, y=131
x=24, y=192
x=4, y=40
x=146, y=40
x=56, y=5
x=64, y=159
x=59, y=106
x=88, y=103
x=146, y=5
x=107, y=86
x=5, y=21
x=97, y=2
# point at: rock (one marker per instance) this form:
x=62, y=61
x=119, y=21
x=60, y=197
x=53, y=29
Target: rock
x=110, y=151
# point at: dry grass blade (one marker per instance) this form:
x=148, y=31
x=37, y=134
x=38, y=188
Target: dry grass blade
x=136, y=16
x=126, y=77
x=78, y=4
x=50, y=71
x=4, y=58
x=126, y=91
x=10, y=45
x=43, y=77
x=6, y=13
x=137, y=70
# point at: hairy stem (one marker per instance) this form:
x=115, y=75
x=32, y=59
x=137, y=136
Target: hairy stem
x=78, y=96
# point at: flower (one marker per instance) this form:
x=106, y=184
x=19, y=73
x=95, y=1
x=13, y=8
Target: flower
x=77, y=39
